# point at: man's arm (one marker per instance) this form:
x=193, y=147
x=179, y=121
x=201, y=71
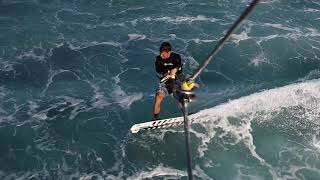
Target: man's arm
x=159, y=67
x=173, y=71
x=177, y=63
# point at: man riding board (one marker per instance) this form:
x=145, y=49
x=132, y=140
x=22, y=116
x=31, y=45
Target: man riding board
x=169, y=70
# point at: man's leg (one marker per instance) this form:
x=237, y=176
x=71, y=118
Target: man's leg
x=157, y=104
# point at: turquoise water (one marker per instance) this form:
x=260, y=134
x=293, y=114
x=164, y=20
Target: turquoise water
x=76, y=75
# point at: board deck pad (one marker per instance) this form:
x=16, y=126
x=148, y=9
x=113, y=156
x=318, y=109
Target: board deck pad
x=164, y=123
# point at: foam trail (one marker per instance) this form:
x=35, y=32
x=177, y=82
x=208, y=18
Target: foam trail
x=260, y=105
x=316, y=141
x=235, y=117
x=169, y=173
x=268, y=101
x=159, y=171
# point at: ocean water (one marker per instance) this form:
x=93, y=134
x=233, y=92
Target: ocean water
x=76, y=75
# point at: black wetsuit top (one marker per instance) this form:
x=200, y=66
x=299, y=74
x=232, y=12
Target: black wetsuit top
x=165, y=65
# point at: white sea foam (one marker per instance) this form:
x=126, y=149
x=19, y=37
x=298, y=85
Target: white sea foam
x=95, y=43
x=6, y=66
x=267, y=101
x=168, y=173
x=243, y=174
x=290, y=33
x=136, y=37
x=311, y=10
x=304, y=94
x=121, y=97
x=283, y=27
x=192, y=63
x=160, y=171
x=181, y=19
x=197, y=40
x=99, y=100
x=76, y=103
x=3, y=94
x=294, y=32
x=32, y=55
x=313, y=32
x=91, y=176
x=239, y=37
x=89, y=17
x=266, y=38
x=134, y=22
x=259, y=60
x=131, y=9
x=83, y=45
x=307, y=160
x=52, y=74
x=316, y=141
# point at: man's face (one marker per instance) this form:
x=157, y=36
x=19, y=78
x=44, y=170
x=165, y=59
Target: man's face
x=165, y=55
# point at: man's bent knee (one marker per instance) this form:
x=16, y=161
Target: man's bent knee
x=160, y=96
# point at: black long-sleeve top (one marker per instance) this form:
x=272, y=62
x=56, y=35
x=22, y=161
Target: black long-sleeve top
x=164, y=65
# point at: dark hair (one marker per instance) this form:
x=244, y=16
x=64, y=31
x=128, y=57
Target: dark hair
x=165, y=46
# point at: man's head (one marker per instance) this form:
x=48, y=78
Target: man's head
x=165, y=50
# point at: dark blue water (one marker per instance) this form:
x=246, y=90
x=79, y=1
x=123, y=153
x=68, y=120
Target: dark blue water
x=76, y=75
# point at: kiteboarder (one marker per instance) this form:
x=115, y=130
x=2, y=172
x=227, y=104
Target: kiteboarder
x=168, y=66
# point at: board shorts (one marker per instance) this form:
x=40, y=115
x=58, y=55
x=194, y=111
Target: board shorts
x=170, y=86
